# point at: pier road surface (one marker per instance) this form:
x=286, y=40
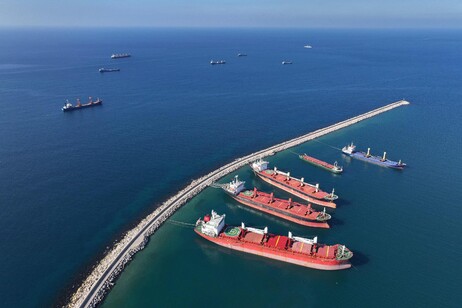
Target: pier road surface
x=95, y=286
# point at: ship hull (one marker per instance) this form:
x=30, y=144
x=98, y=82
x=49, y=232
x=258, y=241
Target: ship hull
x=266, y=209
x=284, y=256
x=295, y=192
x=376, y=160
x=329, y=167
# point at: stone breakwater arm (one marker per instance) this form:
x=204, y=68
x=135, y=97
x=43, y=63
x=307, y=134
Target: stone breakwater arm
x=95, y=286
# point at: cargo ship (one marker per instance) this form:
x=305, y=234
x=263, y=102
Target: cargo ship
x=286, y=209
x=286, y=62
x=120, y=55
x=69, y=107
x=291, y=249
x=335, y=168
x=109, y=70
x=350, y=150
x=294, y=186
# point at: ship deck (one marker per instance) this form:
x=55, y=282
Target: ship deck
x=295, y=184
x=280, y=243
x=291, y=207
x=317, y=161
x=376, y=160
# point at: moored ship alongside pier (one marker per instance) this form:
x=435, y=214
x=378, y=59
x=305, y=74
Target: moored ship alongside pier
x=291, y=249
x=286, y=209
x=294, y=186
x=350, y=150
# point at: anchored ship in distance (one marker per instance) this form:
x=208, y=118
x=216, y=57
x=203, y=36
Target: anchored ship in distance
x=108, y=70
x=69, y=107
x=286, y=62
x=294, y=186
x=335, y=168
x=120, y=55
x=217, y=62
x=286, y=209
x=350, y=150
x=291, y=249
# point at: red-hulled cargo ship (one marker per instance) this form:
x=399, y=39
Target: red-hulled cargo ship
x=335, y=168
x=292, y=249
x=286, y=209
x=296, y=187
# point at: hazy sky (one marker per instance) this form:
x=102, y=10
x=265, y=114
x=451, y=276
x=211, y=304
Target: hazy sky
x=236, y=13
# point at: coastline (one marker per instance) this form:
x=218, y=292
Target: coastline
x=100, y=280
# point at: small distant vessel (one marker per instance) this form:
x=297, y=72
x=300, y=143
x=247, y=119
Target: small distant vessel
x=69, y=107
x=294, y=186
x=291, y=249
x=286, y=62
x=335, y=168
x=241, y=55
x=217, y=62
x=108, y=70
x=307, y=46
x=286, y=209
x=120, y=55
x=350, y=150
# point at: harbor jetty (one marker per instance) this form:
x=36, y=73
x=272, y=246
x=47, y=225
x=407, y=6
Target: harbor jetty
x=96, y=285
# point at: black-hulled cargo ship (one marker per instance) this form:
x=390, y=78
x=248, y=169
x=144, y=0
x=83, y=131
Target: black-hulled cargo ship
x=69, y=107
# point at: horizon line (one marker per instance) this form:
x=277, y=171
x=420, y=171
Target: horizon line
x=229, y=27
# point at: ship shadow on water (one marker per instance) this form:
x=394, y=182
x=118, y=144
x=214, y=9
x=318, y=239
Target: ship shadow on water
x=341, y=202
x=335, y=222
x=359, y=258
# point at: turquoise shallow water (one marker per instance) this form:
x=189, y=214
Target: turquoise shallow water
x=70, y=184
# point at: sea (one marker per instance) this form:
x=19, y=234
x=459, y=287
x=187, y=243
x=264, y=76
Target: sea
x=71, y=184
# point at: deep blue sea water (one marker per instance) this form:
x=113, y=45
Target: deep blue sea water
x=72, y=183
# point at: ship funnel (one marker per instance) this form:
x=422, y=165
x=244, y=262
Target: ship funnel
x=368, y=152
x=317, y=187
x=243, y=225
x=290, y=235
x=399, y=163
x=236, y=178
x=302, y=181
x=384, y=156
x=332, y=193
x=288, y=175
x=265, y=230
x=315, y=239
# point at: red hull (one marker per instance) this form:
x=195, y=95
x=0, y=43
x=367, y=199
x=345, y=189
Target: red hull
x=277, y=207
x=277, y=254
x=294, y=188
